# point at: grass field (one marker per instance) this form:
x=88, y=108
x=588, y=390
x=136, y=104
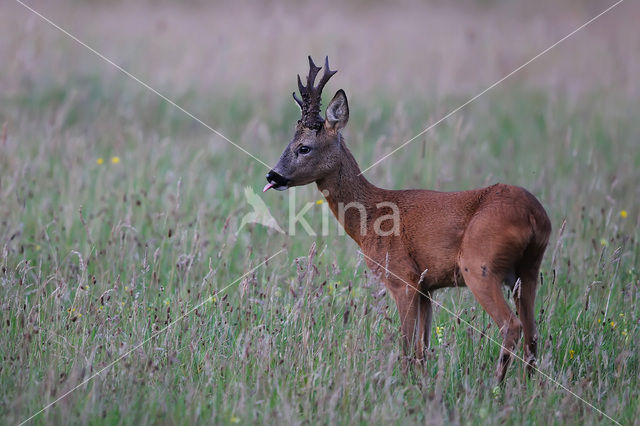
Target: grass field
x=119, y=215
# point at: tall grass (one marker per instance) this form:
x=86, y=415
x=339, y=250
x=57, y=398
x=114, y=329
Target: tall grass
x=96, y=257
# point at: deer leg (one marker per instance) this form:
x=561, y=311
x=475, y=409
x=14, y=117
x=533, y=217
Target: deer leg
x=525, y=298
x=426, y=309
x=486, y=287
x=415, y=319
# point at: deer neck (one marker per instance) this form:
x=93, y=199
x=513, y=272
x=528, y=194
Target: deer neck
x=348, y=194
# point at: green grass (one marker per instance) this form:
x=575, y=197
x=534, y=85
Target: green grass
x=97, y=257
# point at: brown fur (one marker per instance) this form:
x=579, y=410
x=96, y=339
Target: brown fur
x=479, y=238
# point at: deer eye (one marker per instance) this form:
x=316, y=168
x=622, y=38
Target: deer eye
x=304, y=149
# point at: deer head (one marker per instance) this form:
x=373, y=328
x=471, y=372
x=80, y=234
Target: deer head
x=314, y=151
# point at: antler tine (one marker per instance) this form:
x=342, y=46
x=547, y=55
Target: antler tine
x=326, y=75
x=301, y=88
x=313, y=72
x=297, y=99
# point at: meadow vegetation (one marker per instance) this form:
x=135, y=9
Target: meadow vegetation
x=119, y=215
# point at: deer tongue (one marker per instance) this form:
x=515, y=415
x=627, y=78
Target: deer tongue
x=268, y=186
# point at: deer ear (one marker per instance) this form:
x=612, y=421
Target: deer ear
x=337, y=113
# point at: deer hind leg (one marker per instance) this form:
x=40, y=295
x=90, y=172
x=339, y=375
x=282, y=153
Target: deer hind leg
x=485, y=285
x=525, y=299
x=415, y=312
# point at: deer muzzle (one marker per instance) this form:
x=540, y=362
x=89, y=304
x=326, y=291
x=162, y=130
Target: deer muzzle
x=276, y=181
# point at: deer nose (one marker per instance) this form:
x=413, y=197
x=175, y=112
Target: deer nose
x=271, y=176
x=277, y=178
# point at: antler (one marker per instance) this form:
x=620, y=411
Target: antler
x=312, y=95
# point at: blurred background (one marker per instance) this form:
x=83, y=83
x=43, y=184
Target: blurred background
x=213, y=57
x=408, y=48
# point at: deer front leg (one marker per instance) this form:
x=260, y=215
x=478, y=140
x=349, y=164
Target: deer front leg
x=415, y=319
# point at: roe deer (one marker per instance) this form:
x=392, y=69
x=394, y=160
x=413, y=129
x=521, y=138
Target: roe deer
x=480, y=238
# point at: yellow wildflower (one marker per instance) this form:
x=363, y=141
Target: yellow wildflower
x=496, y=391
x=99, y=161
x=319, y=202
x=624, y=332
x=623, y=214
x=37, y=247
x=603, y=242
x=235, y=419
x=613, y=324
x=115, y=160
x=440, y=334
x=571, y=353
x=599, y=320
